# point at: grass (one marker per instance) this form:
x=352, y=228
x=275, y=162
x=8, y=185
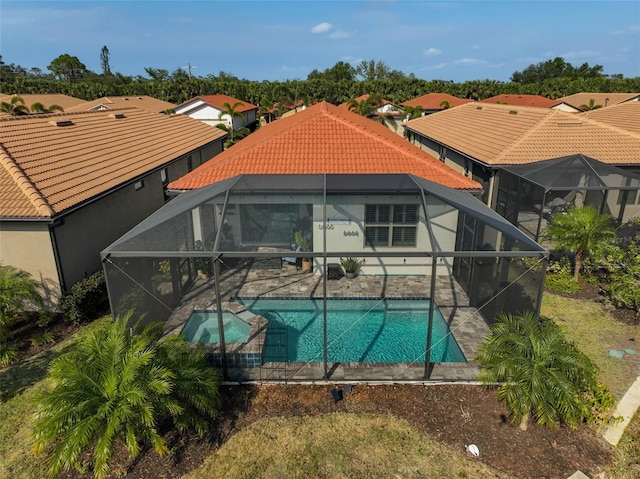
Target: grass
x=594, y=331
x=589, y=325
x=338, y=445
x=19, y=384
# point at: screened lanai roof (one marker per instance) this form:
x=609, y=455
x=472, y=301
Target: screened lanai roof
x=158, y=232
x=573, y=172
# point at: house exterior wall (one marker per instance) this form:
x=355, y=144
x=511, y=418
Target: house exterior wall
x=565, y=107
x=458, y=162
x=346, y=230
x=27, y=246
x=206, y=113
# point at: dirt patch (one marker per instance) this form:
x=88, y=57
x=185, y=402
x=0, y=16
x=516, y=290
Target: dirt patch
x=453, y=414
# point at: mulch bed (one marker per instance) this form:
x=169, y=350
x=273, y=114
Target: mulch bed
x=453, y=414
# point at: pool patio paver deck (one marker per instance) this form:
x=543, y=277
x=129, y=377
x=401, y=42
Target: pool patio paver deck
x=262, y=279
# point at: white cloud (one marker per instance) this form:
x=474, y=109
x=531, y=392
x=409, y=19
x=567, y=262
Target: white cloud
x=438, y=66
x=322, y=28
x=580, y=54
x=469, y=61
x=631, y=30
x=339, y=35
x=430, y=52
x=476, y=47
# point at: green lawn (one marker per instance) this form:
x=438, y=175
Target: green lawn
x=589, y=325
x=338, y=445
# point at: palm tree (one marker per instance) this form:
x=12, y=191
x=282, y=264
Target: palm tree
x=365, y=107
x=14, y=107
x=232, y=112
x=116, y=387
x=582, y=231
x=591, y=106
x=18, y=292
x=540, y=374
x=411, y=112
x=40, y=108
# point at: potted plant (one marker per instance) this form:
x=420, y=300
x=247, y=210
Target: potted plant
x=203, y=265
x=351, y=266
x=303, y=245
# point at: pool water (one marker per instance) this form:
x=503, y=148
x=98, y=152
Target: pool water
x=358, y=330
x=202, y=327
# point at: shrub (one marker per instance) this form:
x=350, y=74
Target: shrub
x=115, y=387
x=539, y=373
x=8, y=354
x=87, y=300
x=559, y=277
x=45, y=337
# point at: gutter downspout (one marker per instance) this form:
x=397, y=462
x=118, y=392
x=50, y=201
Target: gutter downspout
x=56, y=253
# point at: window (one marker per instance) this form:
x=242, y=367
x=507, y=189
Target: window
x=164, y=177
x=391, y=225
x=138, y=185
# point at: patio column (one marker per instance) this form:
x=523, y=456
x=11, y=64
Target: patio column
x=428, y=367
x=223, y=348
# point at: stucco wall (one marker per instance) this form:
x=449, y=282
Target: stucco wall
x=346, y=230
x=27, y=246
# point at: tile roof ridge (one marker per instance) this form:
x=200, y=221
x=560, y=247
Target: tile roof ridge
x=404, y=147
x=40, y=116
x=25, y=184
x=550, y=113
x=216, y=162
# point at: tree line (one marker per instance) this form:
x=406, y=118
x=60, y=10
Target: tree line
x=339, y=83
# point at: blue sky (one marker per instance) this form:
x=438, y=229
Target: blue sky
x=276, y=40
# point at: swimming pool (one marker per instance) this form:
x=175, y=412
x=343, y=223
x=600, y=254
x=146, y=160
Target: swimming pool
x=358, y=330
x=202, y=327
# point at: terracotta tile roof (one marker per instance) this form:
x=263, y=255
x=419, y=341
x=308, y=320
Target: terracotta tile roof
x=507, y=135
x=114, y=102
x=522, y=100
x=47, y=100
x=323, y=139
x=579, y=99
x=218, y=101
x=46, y=169
x=623, y=115
x=433, y=101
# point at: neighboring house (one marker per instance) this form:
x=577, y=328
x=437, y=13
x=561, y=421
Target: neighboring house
x=385, y=105
x=114, y=102
x=71, y=183
x=47, y=100
x=210, y=110
x=577, y=100
x=531, y=100
x=434, y=102
x=387, y=113
x=478, y=139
